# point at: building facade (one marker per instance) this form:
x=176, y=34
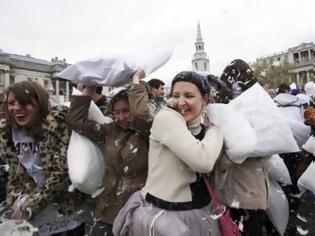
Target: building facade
x=200, y=61
x=301, y=61
x=16, y=68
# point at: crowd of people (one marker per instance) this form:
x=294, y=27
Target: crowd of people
x=157, y=153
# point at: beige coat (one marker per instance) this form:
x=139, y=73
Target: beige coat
x=243, y=185
x=176, y=155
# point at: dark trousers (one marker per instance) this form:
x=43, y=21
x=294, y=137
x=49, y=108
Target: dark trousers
x=255, y=222
x=78, y=231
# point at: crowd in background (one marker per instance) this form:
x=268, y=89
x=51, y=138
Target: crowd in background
x=156, y=150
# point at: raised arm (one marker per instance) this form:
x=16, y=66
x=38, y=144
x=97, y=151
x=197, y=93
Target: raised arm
x=138, y=104
x=77, y=118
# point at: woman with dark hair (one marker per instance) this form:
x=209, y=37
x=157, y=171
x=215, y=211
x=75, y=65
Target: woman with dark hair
x=174, y=200
x=33, y=146
x=125, y=147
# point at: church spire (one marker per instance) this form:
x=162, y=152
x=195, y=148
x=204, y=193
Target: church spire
x=200, y=61
x=199, y=37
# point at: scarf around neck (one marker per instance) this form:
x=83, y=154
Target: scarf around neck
x=195, y=125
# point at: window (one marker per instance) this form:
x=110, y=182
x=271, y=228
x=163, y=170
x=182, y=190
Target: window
x=304, y=56
x=296, y=58
x=12, y=79
x=196, y=65
x=1, y=77
x=205, y=65
x=303, y=76
x=45, y=84
x=53, y=84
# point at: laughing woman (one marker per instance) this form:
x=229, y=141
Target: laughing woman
x=181, y=148
x=33, y=146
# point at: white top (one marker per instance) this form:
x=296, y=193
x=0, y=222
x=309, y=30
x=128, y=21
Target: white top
x=28, y=154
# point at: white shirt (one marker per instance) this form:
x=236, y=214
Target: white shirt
x=28, y=154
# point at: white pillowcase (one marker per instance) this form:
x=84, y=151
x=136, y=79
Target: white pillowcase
x=271, y=127
x=116, y=70
x=277, y=170
x=306, y=181
x=278, y=208
x=239, y=137
x=85, y=159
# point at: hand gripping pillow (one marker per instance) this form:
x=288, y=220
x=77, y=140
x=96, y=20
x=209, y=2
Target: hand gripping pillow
x=116, y=70
x=234, y=127
x=271, y=127
x=85, y=159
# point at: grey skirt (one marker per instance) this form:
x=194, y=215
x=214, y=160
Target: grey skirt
x=141, y=218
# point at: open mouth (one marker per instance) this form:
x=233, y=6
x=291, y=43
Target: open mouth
x=20, y=117
x=183, y=111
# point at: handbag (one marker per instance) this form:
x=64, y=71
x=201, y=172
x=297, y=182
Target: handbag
x=227, y=225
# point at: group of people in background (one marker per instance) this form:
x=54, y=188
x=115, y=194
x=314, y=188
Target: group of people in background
x=156, y=151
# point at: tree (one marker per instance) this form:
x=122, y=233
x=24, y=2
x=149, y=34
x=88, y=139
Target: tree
x=273, y=74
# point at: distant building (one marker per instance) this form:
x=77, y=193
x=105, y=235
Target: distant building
x=301, y=60
x=200, y=60
x=16, y=68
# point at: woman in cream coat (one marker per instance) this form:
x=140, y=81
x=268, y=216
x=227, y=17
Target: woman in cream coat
x=180, y=150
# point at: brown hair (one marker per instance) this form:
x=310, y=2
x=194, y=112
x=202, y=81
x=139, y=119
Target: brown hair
x=29, y=92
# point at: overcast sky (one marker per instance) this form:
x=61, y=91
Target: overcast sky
x=81, y=29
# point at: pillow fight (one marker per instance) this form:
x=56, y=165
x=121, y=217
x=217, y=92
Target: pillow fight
x=216, y=156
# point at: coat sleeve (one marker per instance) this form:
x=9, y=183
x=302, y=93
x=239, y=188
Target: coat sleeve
x=3, y=161
x=77, y=119
x=170, y=129
x=139, y=108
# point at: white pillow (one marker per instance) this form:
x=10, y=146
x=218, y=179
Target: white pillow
x=85, y=159
x=306, y=181
x=300, y=131
x=272, y=130
x=17, y=228
x=86, y=165
x=310, y=145
x=234, y=128
x=278, y=208
x=116, y=70
x=277, y=170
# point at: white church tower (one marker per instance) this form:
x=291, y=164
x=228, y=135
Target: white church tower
x=200, y=60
